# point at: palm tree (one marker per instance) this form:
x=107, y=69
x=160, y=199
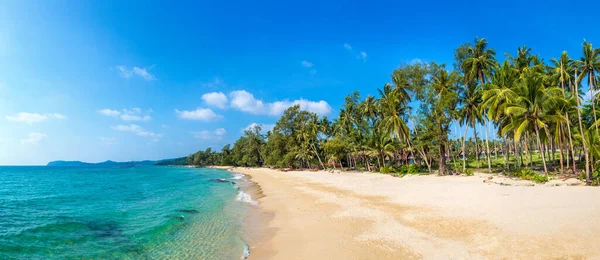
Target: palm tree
x=583, y=142
x=444, y=84
x=392, y=105
x=531, y=109
x=476, y=61
x=470, y=114
x=498, y=94
x=589, y=65
x=563, y=68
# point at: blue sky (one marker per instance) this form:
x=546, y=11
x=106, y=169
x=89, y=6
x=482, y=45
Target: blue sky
x=133, y=80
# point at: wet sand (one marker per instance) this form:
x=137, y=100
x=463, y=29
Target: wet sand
x=322, y=215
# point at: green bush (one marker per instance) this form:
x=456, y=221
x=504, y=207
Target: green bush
x=530, y=175
x=539, y=178
x=386, y=169
x=469, y=172
x=402, y=170
x=413, y=169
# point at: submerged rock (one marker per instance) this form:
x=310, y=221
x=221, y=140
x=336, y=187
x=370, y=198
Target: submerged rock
x=222, y=180
x=180, y=217
x=192, y=211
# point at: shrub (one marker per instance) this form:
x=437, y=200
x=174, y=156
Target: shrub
x=527, y=174
x=402, y=170
x=386, y=169
x=469, y=172
x=413, y=169
x=539, y=178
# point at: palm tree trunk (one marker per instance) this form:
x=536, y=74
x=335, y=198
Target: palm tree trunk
x=442, y=159
x=527, y=152
x=318, y=157
x=571, y=143
x=495, y=149
x=506, y=153
x=562, y=84
x=464, y=151
x=487, y=144
x=476, y=146
x=585, y=148
x=594, y=107
x=552, y=151
x=537, y=133
x=519, y=158
x=560, y=146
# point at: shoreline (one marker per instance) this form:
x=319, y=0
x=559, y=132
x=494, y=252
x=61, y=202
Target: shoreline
x=322, y=215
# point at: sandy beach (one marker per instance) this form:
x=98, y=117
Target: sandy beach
x=323, y=215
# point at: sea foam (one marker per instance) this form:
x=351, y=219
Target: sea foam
x=246, y=252
x=237, y=176
x=244, y=197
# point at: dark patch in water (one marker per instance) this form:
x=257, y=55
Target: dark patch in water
x=191, y=211
x=180, y=217
x=222, y=181
x=105, y=228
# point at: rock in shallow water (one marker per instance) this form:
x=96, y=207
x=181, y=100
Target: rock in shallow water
x=192, y=211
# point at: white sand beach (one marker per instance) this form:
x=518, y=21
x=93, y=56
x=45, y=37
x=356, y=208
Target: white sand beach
x=323, y=215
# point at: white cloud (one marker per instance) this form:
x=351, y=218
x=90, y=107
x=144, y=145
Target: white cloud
x=202, y=114
x=214, y=83
x=59, y=116
x=127, y=128
x=217, y=134
x=34, y=138
x=264, y=127
x=31, y=118
x=109, y=112
x=124, y=72
x=141, y=72
x=135, y=110
x=107, y=140
x=136, y=129
x=246, y=102
x=215, y=99
x=307, y=64
x=363, y=56
x=128, y=117
x=132, y=114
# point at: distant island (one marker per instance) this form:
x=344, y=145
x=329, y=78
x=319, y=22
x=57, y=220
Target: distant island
x=175, y=161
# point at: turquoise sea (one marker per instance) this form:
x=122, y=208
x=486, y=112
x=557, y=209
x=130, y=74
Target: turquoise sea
x=149, y=212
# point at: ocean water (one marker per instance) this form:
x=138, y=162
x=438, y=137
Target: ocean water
x=146, y=212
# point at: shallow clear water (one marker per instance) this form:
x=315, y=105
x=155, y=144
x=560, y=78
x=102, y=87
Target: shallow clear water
x=118, y=213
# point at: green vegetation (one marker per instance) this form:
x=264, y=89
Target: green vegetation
x=527, y=174
x=541, y=122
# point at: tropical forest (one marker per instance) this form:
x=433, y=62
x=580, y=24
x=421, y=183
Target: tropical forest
x=530, y=116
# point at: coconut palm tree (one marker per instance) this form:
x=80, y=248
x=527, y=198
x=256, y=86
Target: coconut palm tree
x=589, y=65
x=476, y=61
x=497, y=95
x=392, y=105
x=531, y=110
x=563, y=69
x=470, y=114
